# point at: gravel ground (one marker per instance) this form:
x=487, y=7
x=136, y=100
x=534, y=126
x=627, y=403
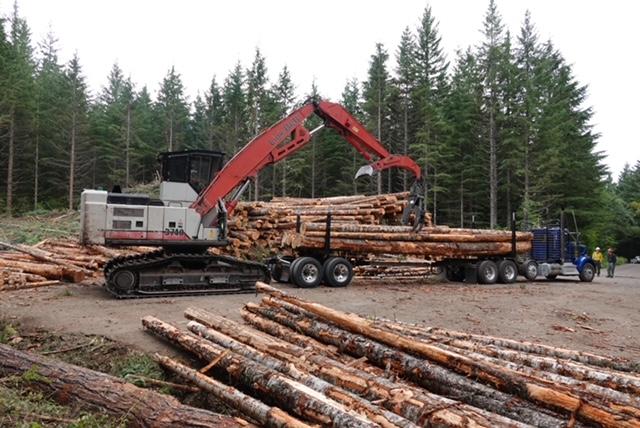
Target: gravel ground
x=602, y=316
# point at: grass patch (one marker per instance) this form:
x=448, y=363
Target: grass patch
x=22, y=408
x=36, y=226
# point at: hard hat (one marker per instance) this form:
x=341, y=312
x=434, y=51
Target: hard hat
x=597, y=248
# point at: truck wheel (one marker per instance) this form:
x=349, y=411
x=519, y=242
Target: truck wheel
x=529, y=270
x=338, y=272
x=291, y=267
x=487, y=272
x=307, y=272
x=507, y=272
x=588, y=272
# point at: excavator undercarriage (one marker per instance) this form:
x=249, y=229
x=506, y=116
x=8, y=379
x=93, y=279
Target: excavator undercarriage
x=163, y=273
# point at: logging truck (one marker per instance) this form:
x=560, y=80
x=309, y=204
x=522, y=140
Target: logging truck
x=327, y=253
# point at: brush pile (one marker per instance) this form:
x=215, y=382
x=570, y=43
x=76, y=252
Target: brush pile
x=301, y=363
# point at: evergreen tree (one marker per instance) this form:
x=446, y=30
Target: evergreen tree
x=214, y=111
x=352, y=102
x=49, y=108
x=490, y=53
x=258, y=103
x=235, y=110
x=430, y=142
x=527, y=63
x=406, y=82
x=18, y=103
x=77, y=125
x=463, y=112
x=172, y=108
x=147, y=137
x=375, y=94
x=284, y=97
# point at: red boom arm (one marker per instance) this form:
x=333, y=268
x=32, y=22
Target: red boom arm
x=268, y=148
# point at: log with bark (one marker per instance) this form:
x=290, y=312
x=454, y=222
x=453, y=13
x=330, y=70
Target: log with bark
x=140, y=407
x=286, y=392
x=340, y=395
x=413, y=404
x=255, y=409
x=553, y=396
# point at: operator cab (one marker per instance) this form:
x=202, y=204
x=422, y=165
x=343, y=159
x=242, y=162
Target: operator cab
x=187, y=173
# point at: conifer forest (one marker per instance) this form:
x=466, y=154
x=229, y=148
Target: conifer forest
x=502, y=125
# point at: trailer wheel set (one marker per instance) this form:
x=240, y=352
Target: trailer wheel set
x=310, y=272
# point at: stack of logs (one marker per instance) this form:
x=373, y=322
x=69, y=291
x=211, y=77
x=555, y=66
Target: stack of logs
x=432, y=242
x=299, y=363
x=262, y=224
x=51, y=261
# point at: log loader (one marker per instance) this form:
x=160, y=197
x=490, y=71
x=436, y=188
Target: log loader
x=198, y=194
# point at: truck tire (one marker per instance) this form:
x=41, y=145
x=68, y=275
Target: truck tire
x=338, y=272
x=588, y=272
x=487, y=272
x=307, y=272
x=529, y=270
x=507, y=272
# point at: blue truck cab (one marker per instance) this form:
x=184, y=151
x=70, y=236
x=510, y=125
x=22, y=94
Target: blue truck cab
x=558, y=252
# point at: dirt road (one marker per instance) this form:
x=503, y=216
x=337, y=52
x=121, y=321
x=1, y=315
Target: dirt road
x=602, y=317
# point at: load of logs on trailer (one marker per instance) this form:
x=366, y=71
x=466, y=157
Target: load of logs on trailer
x=262, y=224
x=298, y=363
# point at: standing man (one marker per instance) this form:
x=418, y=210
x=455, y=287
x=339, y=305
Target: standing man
x=611, y=259
x=598, y=257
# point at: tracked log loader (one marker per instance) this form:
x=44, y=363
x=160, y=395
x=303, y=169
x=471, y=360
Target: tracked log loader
x=198, y=193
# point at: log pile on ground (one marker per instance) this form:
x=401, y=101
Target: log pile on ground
x=315, y=365
x=430, y=242
x=262, y=224
x=51, y=261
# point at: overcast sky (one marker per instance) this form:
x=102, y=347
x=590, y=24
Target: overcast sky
x=331, y=41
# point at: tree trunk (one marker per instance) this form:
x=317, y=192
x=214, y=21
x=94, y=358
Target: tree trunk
x=127, y=149
x=10, y=160
x=255, y=409
x=493, y=169
x=284, y=178
x=535, y=390
x=313, y=167
x=72, y=159
x=140, y=407
x=405, y=140
x=289, y=394
x=36, y=173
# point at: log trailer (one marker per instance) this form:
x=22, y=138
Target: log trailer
x=555, y=251
x=198, y=193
